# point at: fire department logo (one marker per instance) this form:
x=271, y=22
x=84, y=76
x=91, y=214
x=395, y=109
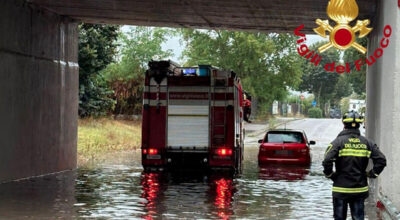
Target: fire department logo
x=342, y=36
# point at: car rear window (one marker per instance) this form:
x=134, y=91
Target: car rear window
x=284, y=137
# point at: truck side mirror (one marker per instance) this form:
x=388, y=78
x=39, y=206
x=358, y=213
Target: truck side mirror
x=312, y=143
x=260, y=141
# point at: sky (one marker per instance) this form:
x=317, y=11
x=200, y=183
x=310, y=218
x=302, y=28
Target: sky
x=174, y=45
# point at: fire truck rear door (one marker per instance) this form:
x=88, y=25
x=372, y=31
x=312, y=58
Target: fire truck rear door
x=188, y=127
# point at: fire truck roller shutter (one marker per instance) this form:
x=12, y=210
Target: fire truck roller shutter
x=188, y=127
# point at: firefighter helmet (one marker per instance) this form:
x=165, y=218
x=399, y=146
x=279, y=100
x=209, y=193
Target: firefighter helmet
x=353, y=119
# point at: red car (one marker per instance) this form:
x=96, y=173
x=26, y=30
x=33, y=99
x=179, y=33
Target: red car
x=285, y=146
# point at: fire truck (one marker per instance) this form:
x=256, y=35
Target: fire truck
x=191, y=117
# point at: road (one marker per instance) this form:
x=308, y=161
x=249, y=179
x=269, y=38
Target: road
x=118, y=189
x=255, y=131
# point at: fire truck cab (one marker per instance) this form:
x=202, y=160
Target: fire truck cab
x=191, y=117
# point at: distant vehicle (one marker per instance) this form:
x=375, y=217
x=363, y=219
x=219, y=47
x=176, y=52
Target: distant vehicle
x=285, y=146
x=192, y=117
x=335, y=113
x=356, y=105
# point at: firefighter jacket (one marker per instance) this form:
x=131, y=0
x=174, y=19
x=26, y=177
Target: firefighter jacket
x=351, y=153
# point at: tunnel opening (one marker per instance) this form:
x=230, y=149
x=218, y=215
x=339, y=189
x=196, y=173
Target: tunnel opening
x=60, y=20
x=222, y=189
x=270, y=66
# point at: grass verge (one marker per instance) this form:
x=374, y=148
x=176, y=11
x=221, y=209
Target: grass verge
x=99, y=136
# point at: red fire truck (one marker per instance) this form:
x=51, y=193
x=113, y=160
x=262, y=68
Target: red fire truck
x=191, y=116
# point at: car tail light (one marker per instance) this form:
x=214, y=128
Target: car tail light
x=224, y=152
x=152, y=151
x=144, y=151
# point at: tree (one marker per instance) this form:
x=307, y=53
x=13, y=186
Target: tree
x=342, y=89
x=268, y=64
x=126, y=77
x=97, y=48
x=357, y=78
x=317, y=80
x=345, y=104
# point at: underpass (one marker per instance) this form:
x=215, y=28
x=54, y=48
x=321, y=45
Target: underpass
x=39, y=71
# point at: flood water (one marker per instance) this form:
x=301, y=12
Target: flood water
x=117, y=188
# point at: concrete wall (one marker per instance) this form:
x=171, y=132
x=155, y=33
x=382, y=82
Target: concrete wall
x=38, y=91
x=383, y=99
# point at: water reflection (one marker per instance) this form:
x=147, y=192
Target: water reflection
x=47, y=197
x=283, y=172
x=153, y=192
x=121, y=190
x=222, y=191
x=187, y=194
x=223, y=197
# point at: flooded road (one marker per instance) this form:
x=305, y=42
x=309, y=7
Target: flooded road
x=118, y=189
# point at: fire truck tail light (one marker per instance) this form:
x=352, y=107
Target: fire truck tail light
x=152, y=151
x=224, y=152
x=151, y=154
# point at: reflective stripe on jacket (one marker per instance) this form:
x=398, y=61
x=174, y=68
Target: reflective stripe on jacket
x=351, y=153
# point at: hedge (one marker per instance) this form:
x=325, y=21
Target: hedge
x=315, y=113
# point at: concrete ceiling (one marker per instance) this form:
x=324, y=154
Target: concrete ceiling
x=254, y=15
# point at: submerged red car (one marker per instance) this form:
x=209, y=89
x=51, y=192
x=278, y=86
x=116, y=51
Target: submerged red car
x=285, y=146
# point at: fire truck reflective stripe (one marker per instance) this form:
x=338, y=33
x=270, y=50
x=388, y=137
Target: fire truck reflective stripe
x=350, y=190
x=155, y=102
x=189, y=89
x=221, y=103
x=354, y=153
x=198, y=89
x=155, y=89
x=197, y=95
x=188, y=102
x=189, y=95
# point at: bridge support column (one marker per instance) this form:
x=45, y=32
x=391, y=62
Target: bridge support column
x=383, y=99
x=38, y=91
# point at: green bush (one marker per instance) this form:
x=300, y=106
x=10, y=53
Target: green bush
x=315, y=113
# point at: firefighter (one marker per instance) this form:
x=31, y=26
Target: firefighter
x=351, y=153
x=247, y=106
